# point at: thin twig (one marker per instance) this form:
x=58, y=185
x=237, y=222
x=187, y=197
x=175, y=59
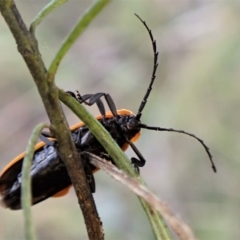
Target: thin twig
x=26, y=193
x=44, y=13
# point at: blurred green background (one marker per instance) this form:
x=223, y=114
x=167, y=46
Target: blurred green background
x=197, y=89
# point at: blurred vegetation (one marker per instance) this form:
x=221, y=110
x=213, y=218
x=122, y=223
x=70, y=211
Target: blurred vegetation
x=196, y=90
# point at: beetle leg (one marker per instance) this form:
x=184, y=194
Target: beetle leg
x=140, y=162
x=46, y=140
x=96, y=98
x=78, y=139
x=98, y=101
x=81, y=99
x=108, y=99
x=47, y=134
x=72, y=94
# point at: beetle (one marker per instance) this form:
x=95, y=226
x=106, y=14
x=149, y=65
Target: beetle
x=48, y=173
x=49, y=176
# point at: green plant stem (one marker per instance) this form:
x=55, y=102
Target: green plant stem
x=26, y=193
x=158, y=224
x=44, y=13
x=82, y=24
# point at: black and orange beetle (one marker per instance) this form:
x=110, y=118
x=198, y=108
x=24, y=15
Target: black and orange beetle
x=49, y=176
x=48, y=173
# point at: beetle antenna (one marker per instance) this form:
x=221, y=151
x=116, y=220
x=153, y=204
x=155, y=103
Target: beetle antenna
x=189, y=134
x=155, y=65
